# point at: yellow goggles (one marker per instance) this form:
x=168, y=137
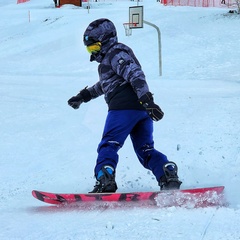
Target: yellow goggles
x=94, y=48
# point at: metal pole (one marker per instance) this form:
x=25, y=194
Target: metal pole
x=159, y=45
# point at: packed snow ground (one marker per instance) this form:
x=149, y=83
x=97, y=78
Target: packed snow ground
x=48, y=146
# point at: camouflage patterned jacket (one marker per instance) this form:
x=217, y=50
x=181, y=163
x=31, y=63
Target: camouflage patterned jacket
x=121, y=79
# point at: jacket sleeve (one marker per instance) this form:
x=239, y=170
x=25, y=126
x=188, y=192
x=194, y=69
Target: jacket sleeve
x=130, y=70
x=95, y=90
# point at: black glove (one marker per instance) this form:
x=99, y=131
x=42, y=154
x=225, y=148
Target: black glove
x=153, y=109
x=83, y=96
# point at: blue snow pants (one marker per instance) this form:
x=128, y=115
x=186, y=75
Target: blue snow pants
x=136, y=123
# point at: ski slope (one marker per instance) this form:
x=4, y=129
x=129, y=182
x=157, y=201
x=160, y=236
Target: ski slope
x=46, y=145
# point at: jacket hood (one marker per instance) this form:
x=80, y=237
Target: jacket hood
x=101, y=30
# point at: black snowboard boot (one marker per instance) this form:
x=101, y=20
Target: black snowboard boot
x=170, y=181
x=106, y=181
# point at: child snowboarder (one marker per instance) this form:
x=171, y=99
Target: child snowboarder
x=131, y=109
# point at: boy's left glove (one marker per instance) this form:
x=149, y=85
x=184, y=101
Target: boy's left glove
x=153, y=109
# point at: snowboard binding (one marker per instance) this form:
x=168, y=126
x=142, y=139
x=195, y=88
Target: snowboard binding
x=106, y=182
x=170, y=181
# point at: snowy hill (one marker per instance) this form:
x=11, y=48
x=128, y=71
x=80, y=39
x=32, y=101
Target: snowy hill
x=46, y=145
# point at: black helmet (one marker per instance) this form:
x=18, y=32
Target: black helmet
x=101, y=30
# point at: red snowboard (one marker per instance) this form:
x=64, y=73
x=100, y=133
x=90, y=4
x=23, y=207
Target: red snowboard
x=190, y=198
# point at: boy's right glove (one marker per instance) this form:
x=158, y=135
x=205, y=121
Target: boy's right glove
x=153, y=109
x=83, y=96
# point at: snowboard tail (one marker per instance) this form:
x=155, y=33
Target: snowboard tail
x=195, y=197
